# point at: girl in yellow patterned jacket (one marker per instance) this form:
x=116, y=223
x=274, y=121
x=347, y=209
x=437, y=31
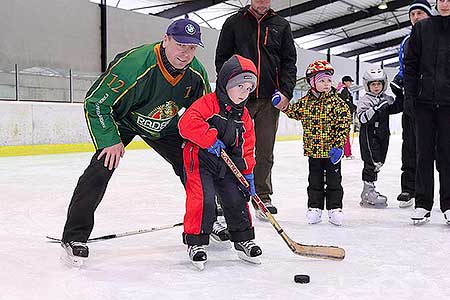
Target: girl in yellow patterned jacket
x=326, y=121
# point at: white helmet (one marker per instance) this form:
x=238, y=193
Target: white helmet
x=375, y=75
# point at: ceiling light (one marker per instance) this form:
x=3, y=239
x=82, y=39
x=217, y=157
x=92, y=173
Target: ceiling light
x=382, y=5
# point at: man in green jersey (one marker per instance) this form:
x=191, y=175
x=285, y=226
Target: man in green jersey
x=142, y=93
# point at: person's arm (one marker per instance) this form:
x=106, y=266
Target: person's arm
x=288, y=60
x=366, y=111
x=248, y=148
x=397, y=106
x=193, y=125
x=225, y=44
x=295, y=110
x=341, y=123
x=412, y=63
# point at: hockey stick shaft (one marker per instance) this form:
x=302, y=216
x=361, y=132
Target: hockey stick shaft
x=123, y=234
x=316, y=251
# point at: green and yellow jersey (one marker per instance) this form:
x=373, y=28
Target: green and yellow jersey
x=137, y=92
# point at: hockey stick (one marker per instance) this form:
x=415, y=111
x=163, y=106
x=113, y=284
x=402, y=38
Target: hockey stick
x=316, y=251
x=119, y=235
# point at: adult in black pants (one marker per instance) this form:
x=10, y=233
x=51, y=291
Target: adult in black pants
x=418, y=10
x=258, y=33
x=427, y=89
x=141, y=93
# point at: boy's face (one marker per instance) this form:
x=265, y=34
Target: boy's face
x=179, y=55
x=240, y=92
x=376, y=87
x=443, y=7
x=323, y=85
x=416, y=15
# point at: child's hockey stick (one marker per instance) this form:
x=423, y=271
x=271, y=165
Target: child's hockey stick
x=119, y=235
x=317, y=251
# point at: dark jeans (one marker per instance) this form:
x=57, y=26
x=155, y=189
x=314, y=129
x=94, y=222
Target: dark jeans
x=92, y=185
x=323, y=173
x=265, y=117
x=432, y=134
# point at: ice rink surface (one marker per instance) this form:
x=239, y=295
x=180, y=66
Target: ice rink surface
x=387, y=257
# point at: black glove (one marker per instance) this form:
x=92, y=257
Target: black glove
x=397, y=85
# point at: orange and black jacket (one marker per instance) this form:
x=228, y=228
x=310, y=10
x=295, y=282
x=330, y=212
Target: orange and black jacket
x=207, y=119
x=268, y=43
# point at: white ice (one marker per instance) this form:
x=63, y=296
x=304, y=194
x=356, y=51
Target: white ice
x=387, y=257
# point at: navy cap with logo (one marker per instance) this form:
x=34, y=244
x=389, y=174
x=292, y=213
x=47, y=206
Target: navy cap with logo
x=185, y=31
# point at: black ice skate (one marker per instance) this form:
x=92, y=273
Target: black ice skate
x=220, y=232
x=420, y=216
x=270, y=207
x=75, y=253
x=248, y=251
x=405, y=200
x=198, y=256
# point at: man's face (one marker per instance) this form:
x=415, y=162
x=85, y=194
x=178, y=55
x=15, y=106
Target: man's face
x=260, y=6
x=348, y=84
x=443, y=7
x=179, y=55
x=416, y=15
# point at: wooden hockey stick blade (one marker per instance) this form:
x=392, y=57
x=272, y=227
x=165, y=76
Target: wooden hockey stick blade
x=119, y=235
x=316, y=251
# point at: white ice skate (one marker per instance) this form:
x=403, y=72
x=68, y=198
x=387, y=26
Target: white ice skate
x=335, y=216
x=420, y=216
x=248, y=251
x=74, y=253
x=405, y=200
x=370, y=198
x=313, y=215
x=198, y=256
x=447, y=216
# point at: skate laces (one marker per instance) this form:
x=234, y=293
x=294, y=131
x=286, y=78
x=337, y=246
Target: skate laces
x=196, y=248
x=218, y=228
x=74, y=244
x=248, y=244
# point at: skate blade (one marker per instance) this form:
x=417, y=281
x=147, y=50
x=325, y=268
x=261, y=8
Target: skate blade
x=253, y=260
x=199, y=265
x=421, y=221
x=376, y=206
x=335, y=223
x=405, y=204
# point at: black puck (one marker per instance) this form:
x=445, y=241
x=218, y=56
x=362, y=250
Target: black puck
x=301, y=278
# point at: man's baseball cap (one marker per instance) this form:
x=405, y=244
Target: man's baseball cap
x=347, y=78
x=185, y=31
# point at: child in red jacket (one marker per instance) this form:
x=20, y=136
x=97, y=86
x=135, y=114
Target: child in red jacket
x=214, y=122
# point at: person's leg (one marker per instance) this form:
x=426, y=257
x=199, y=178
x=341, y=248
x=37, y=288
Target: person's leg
x=334, y=191
x=347, y=147
x=425, y=145
x=316, y=184
x=265, y=118
x=408, y=177
x=443, y=152
x=86, y=197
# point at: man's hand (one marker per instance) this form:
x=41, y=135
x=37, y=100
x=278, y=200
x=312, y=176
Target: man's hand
x=113, y=154
x=280, y=101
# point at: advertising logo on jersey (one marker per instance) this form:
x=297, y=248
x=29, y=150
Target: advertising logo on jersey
x=158, y=118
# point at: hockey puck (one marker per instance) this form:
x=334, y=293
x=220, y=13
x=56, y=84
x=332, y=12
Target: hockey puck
x=301, y=278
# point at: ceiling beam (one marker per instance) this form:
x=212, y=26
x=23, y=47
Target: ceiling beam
x=362, y=36
x=374, y=47
x=187, y=7
x=384, y=57
x=350, y=18
x=303, y=7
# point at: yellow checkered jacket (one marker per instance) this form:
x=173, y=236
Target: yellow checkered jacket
x=326, y=122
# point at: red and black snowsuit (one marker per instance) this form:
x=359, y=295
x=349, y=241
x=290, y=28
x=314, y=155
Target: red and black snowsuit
x=215, y=116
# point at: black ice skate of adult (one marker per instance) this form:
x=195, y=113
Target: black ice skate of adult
x=313, y=251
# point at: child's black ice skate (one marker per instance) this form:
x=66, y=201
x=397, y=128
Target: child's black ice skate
x=219, y=232
x=248, y=251
x=198, y=256
x=75, y=253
